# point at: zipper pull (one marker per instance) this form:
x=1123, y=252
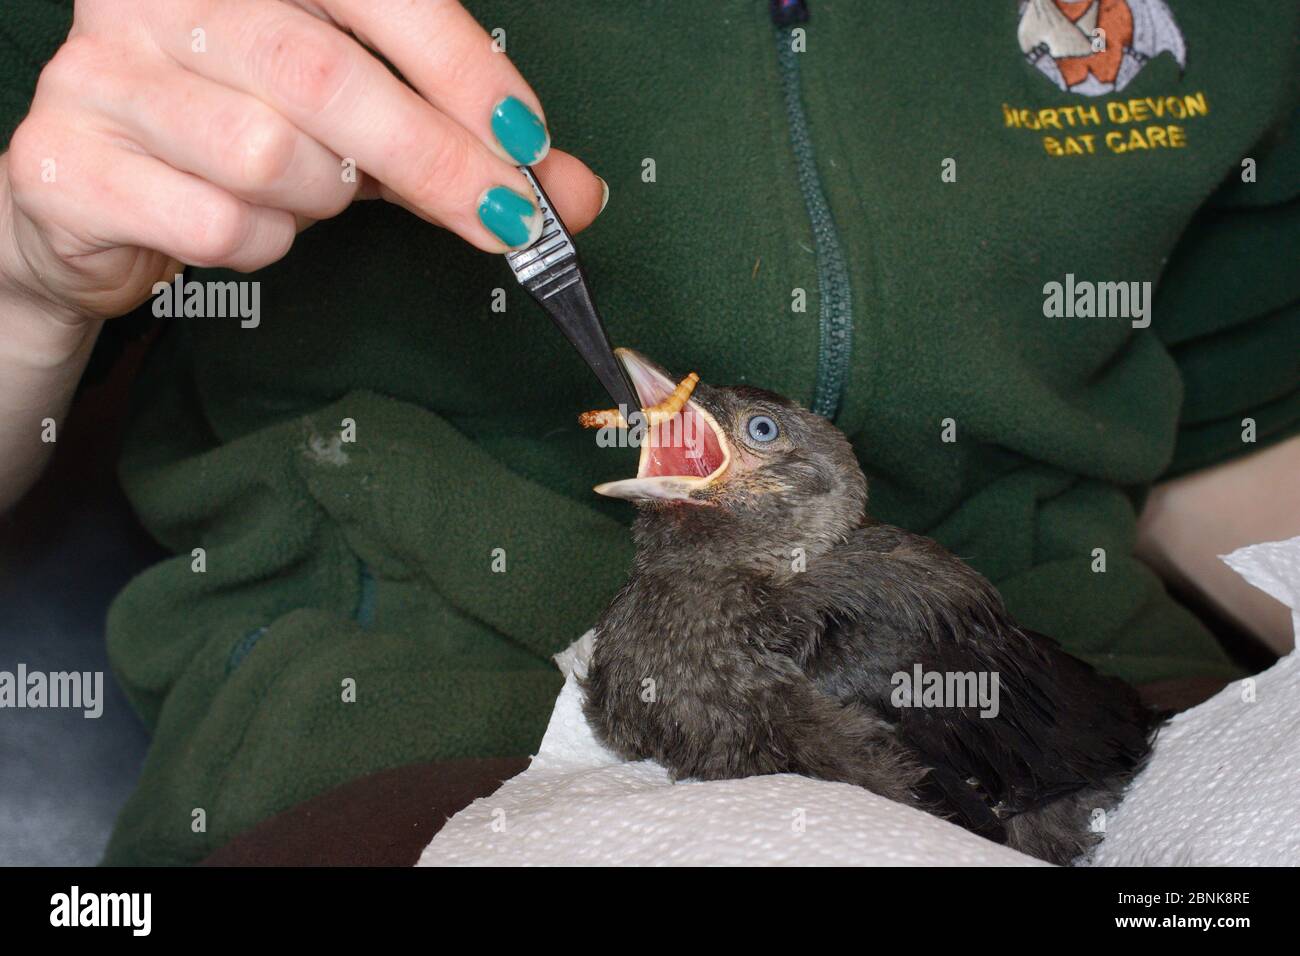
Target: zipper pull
x=787, y=12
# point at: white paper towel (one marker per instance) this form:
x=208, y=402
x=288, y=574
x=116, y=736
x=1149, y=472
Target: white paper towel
x=1274, y=568
x=1221, y=787
x=579, y=804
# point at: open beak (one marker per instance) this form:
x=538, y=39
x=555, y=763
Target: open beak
x=683, y=450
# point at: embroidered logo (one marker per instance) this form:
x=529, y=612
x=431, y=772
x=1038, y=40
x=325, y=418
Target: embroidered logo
x=1095, y=47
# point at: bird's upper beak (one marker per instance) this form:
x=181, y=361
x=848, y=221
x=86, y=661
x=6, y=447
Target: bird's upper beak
x=683, y=450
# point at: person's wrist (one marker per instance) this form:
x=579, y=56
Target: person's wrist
x=36, y=331
x=34, y=336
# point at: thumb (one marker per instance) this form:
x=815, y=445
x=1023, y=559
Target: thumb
x=577, y=193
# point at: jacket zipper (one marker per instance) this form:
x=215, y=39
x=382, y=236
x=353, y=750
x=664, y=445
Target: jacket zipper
x=835, y=320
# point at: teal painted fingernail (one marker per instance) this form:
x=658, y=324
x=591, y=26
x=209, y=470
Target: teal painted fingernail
x=509, y=216
x=519, y=131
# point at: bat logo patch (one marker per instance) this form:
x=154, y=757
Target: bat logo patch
x=1095, y=47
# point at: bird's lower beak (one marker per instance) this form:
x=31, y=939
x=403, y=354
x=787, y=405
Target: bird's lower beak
x=683, y=450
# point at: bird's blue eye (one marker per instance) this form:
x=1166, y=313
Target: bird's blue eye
x=762, y=429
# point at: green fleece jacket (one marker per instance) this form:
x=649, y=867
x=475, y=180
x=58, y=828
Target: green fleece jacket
x=866, y=212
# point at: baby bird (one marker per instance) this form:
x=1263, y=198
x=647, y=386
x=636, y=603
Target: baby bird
x=770, y=625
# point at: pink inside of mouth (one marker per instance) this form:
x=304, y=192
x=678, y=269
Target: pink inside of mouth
x=683, y=445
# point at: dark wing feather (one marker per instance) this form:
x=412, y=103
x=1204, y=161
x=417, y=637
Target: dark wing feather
x=889, y=600
x=1060, y=726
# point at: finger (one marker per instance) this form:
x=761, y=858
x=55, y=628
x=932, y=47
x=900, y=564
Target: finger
x=331, y=88
x=578, y=194
x=226, y=137
x=443, y=52
x=106, y=196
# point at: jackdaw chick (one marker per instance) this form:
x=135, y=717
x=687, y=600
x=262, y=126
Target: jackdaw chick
x=770, y=625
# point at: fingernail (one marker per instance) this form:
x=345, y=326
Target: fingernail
x=604, y=195
x=510, y=217
x=519, y=131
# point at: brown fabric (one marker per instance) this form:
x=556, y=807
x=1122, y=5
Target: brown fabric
x=384, y=819
x=387, y=818
x=1172, y=696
